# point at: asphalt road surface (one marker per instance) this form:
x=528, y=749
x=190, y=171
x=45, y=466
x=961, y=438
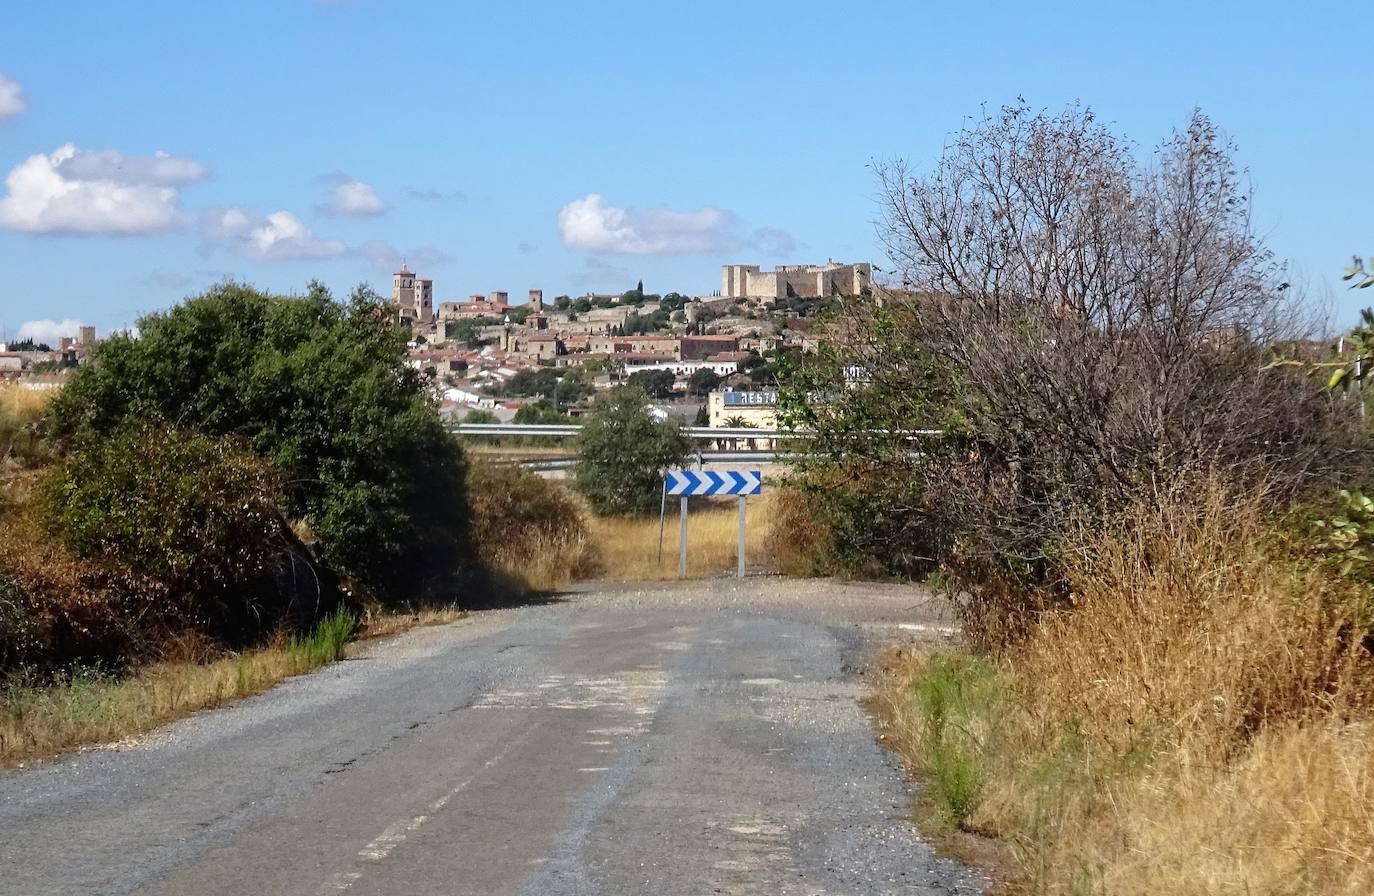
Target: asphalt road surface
x=675, y=739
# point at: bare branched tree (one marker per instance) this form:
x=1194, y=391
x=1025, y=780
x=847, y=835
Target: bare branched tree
x=1100, y=323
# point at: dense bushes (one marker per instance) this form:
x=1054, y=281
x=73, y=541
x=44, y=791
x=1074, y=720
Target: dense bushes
x=184, y=468
x=321, y=391
x=57, y=609
x=197, y=514
x=527, y=529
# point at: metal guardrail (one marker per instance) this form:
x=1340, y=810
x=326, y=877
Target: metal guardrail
x=705, y=458
x=565, y=430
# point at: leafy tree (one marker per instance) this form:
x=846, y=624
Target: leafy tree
x=703, y=417
x=654, y=383
x=637, y=324
x=541, y=381
x=481, y=415
x=519, y=314
x=28, y=345
x=702, y=382
x=673, y=301
x=562, y=303
x=582, y=305
x=624, y=452
x=541, y=411
x=319, y=389
x=572, y=389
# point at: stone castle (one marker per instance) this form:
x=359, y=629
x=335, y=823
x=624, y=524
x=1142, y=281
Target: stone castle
x=799, y=281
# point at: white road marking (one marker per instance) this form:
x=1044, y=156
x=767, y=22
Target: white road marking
x=938, y=629
x=395, y=833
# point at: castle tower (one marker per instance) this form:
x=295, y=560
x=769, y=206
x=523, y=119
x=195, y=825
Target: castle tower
x=413, y=296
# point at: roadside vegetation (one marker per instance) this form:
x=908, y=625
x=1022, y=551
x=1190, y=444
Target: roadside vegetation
x=532, y=533
x=221, y=502
x=1145, y=497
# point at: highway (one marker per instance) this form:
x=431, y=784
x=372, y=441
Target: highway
x=623, y=739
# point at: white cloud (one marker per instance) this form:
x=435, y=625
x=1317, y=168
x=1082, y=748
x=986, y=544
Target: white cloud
x=11, y=103
x=162, y=170
x=49, y=331
x=284, y=236
x=280, y=236
x=354, y=199
x=96, y=192
x=589, y=223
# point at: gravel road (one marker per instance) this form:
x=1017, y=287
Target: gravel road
x=669, y=739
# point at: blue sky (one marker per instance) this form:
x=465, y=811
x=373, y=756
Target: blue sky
x=583, y=146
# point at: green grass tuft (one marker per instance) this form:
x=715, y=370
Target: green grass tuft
x=326, y=644
x=956, y=699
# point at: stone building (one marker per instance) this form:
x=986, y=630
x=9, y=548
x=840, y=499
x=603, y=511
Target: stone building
x=802, y=281
x=698, y=348
x=413, y=297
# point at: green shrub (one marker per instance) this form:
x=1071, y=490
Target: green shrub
x=624, y=452
x=325, y=644
x=197, y=514
x=322, y=391
x=956, y=699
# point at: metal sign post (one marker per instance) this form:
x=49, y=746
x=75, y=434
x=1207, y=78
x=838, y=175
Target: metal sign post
x=742, y=500
x=682, y=542
x=693, y=482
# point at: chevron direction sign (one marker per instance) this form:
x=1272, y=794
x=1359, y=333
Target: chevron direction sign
x=701, y=482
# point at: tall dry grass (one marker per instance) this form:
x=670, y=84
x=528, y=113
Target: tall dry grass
x=529, y=531
x=85, y=708
x=628, y=546
x=88, y=707
x=20, y=412
x=24, y=403
x=1198, y=721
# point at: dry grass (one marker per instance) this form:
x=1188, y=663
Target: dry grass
x=379, y=622
x=531, y=532
x=1198, y=722
x=20, y=410
x=90, y=709
x=629, y=545
x=25, y=404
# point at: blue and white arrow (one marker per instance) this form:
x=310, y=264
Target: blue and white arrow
x=701, y=482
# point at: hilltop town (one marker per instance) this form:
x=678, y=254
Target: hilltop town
x=696, y=355
x=488, y=355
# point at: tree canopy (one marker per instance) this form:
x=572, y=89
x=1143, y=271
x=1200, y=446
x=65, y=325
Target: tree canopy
x=319, y=389
x=624, y=452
